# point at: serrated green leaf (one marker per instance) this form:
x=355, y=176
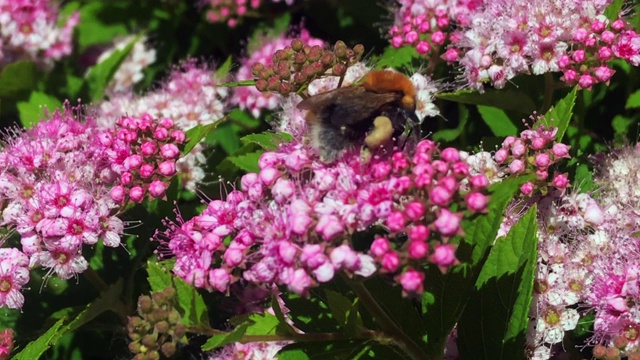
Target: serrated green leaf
x=191, y=303
x=100, y=75
x=494, y=322
x=633, y=102
x=510, y=100
x=397, y=57
x=16, y=77
x=196, y=134
x=268, y=140
x=247, y=162
x=217, y=341
x=262, y=324
x=37, y=347
x=449, y=293
x=498, y=121
x=36, y=108
x=106, y=301
x=560, y=114
x=159, y=277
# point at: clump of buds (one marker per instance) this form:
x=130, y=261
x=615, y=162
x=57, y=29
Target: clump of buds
x=158, y=330
x=295, y=66
x=616, y=350
x=143, y=153
x=535, y=151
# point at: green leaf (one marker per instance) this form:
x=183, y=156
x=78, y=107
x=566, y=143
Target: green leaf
x=16, y=77
x=397, y=57
x=267, y=140
x=497, y=120
x=217, y=341
x=447, y=294
x=107, y=300
x=339, y=350
x=633, y=102
x=560, y=115
x=612, y=12
x=159, y=277
x=196, y=134
x=100, y=75
x=621, y=128
x=191, y=303
x=92, y=29
x=448, y=135
x=223, y=70
x=247, y=162
x=37, y=347
x=494, y=322
x=36, y=108
x=339, y=305
x=311, y=314
x=509, y=99
x=583, y=179
x=262, y=324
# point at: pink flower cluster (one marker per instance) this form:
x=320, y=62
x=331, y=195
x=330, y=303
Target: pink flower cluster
x=54, y=195
x=232, y=11
x=6, y=343
x=142, y=152
x=248, y=97
x=534, y=152
x=588, y=251
x=426, y=25
x=505, y=38
x=292, y=222
x=190, y=97
x=29, y=30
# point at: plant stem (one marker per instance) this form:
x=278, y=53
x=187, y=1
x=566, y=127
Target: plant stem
x=388, y=325
x=297, y=337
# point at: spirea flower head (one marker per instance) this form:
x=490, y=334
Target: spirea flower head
x=534, y=151
x=6, y=343
x=292, y=222
x=129, y=72
x=29, y=31
x=509, y=37
x=190, y=96
x=250, y=98
x=54, y=192
x=427, y=25
x=142, y=152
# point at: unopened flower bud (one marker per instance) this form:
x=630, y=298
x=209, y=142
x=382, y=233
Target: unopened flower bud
x=168, y=349
x=297, y=45
x=339, y=69
x=256, y=68
x=261, y=85
x=299, y=58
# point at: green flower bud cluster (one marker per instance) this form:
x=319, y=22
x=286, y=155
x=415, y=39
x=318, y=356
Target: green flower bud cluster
x=295, y=66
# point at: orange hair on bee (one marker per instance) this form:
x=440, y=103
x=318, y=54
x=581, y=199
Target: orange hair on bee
x=382, y=81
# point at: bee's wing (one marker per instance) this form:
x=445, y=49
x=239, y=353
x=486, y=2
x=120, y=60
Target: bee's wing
x=347, y=106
